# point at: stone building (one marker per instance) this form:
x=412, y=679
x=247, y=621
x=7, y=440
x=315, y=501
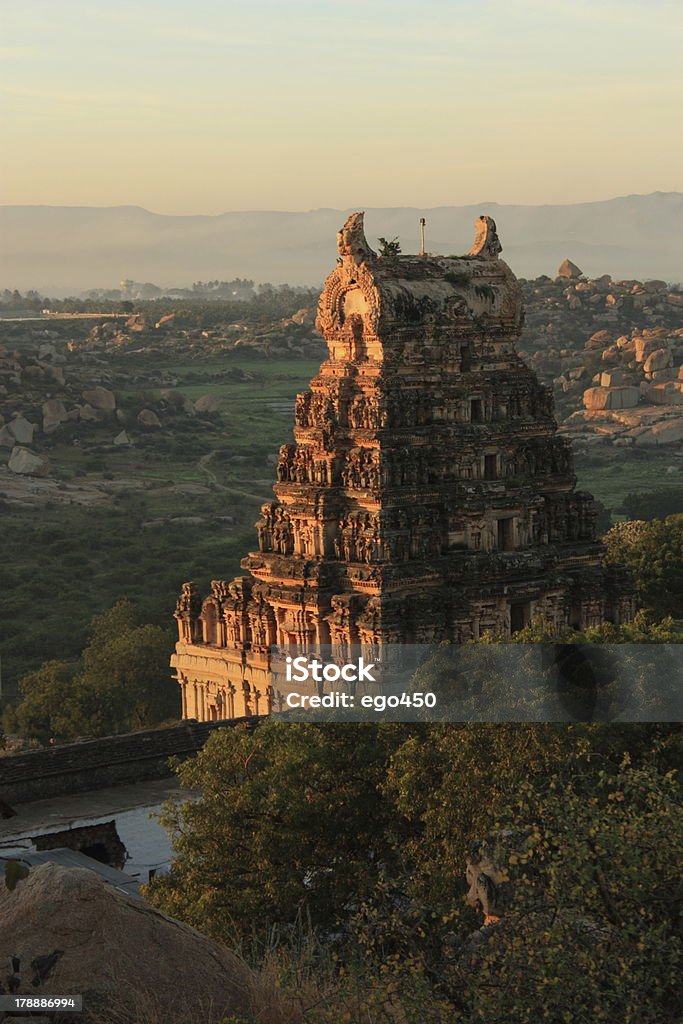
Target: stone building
x=426, y=495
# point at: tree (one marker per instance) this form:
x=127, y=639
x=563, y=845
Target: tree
x=122, y=682
x=653, y=504
x=45, y=710
x=653, y=551
x=593, y=933
x=291, y=824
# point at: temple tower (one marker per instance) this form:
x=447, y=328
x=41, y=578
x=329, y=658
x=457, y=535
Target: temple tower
x=426, y=495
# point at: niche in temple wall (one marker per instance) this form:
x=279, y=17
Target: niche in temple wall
x=354, y=302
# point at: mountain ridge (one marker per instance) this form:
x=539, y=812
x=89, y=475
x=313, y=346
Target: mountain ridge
x=57, y=249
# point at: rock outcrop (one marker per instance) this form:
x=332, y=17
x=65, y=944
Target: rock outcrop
x=118, y=952
x=569, y=269
x=100, y=398
x=26, y=463
x=148, y=419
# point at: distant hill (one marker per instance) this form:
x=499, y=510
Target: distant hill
x=65, y=249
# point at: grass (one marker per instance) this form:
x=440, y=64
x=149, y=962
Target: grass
x=65, y=563
x=610, y=477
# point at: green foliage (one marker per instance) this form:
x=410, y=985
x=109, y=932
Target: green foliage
x=653, y=551
x=46, y=706
x=359, y=834
x=594, y=931
x=389, y=249
x=459, y=280
x=122, y=682
x=657, y=504
x=643, y=630
x=484, y=291
x=291, y=824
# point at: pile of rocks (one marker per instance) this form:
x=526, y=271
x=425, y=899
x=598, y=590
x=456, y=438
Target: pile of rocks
x=613, y=351
x=638, y=397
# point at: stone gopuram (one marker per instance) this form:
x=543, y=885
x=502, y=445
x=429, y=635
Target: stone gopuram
x=426, y=495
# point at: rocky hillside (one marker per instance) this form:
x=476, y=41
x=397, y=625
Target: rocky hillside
x=612, y=351
x=57, y=377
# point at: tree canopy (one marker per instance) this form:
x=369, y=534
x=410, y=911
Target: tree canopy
x=653, y=551
x=121, y=682
x=360, y=833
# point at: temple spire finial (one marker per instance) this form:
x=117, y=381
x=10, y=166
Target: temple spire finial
x=486, y=241
x=351, y=240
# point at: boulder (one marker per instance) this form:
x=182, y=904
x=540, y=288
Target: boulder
x=660, y=359
x=670, y=373
x=611, y=398
x=21, y=430
x=122, y=438
x=303, y=316
x=207, y=403
x=119, y=952
x=88, y=414
x=27, y=463
x=148, y=418
x=100, y=398
x=54, y=413
x=644, y=347
x=567, y=269
x=600, y=339
x=612, y=378
x=667, y=393
x=7, y=439
x=666, y=432
x=136, y=322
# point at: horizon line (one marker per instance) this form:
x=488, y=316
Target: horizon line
x=336, y=209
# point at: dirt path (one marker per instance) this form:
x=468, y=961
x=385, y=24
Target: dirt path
x=203, y=466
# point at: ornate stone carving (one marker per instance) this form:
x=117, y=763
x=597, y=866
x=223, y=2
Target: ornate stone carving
x=486, y=241
x=351, y=240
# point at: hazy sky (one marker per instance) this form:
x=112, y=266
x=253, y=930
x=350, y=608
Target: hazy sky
x=216, y=105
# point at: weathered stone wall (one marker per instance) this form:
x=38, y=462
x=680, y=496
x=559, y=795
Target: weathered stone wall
x=94, y=764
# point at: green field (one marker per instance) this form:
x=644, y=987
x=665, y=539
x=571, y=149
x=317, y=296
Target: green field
x=65, y=563
x=611, y=477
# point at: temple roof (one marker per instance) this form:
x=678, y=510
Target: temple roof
x=407, y=288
